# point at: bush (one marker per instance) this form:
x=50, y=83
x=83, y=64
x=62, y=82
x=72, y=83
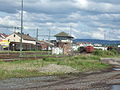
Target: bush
x=105, y=53
x=89, y=57
x=49, y=59
x=81, y=49
x=52, y=59
x=115, y=52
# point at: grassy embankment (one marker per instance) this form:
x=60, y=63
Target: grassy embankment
x=30, y=68
x=22, y=51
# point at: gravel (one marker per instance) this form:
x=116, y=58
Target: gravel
x=53, y=68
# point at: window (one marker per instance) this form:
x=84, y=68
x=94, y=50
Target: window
x=14, y=35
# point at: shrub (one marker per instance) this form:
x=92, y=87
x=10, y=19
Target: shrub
x=81, y=49
x=105, y=53
x=49, y=59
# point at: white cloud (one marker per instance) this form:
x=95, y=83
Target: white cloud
x=7, y=21
x=82, y=3
x=98, y=35
x=98, y=7
x=88, y=18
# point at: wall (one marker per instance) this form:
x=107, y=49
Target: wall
x=57, y=50
x=31, y=42
x=16, y=38
x=11, y=38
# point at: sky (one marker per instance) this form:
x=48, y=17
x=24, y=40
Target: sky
x=83, y=19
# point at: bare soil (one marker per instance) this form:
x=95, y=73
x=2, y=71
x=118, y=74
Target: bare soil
x=79, y=81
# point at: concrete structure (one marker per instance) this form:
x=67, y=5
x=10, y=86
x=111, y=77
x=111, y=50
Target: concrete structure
x=56, y=50
x=101, y=48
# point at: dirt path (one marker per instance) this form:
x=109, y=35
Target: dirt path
x=92, y=81
x=105, y=80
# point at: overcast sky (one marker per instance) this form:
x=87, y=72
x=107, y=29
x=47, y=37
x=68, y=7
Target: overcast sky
x=89, y=19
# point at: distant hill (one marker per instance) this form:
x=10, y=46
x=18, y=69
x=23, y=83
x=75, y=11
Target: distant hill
x=98, y=41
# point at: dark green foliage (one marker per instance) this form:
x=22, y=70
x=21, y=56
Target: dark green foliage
x=81, y=49
x=52, y=59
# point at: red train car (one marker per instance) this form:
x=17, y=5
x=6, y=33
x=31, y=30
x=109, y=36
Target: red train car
x=89, y=49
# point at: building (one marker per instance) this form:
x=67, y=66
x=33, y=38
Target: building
x=3, y=42
x=26, y=38
x=28, y=42
x=84, y=44
x=3, y=36
x=44, y=45
x=64, y=41
x=64, y=37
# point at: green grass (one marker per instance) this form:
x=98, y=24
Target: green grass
x=30, y=68
x=101, y=53
x=23, y=51
x=84, y=63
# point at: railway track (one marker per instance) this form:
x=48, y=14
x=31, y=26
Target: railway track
x=26, y=56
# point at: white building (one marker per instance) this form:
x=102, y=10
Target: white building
x=16, y=37
x=57, y=51
x=118, y=45
x=101, y=48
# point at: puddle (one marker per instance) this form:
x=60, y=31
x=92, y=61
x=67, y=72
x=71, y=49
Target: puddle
x=116, y=69
x=115, y=87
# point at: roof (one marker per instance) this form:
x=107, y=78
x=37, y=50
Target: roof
x=63, y=34
x=2, y=35
x=45, y=42
x=26, y=37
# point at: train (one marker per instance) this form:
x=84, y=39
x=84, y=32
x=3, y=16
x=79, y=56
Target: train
x=87, y=49
x=90, y=49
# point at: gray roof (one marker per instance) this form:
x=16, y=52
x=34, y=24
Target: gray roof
x=63, y=34
x=26, y=37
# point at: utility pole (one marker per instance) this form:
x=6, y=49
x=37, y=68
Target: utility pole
x=49, y=36
x=70, y=29
x=36, y=39
x=49, y=40
x=21, y=47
